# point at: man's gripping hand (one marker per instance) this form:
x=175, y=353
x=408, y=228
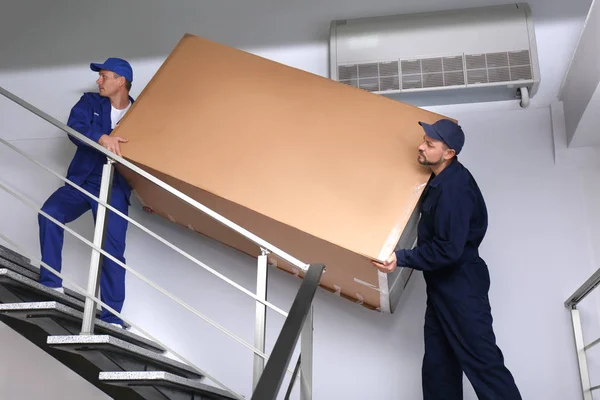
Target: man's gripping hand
x=388, y=266
x=111, y=143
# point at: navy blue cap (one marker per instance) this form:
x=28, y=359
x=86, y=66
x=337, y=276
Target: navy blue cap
x=116, y=65
x=446, y=131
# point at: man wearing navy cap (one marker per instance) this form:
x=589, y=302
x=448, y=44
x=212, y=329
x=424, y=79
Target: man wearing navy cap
x=95, y=115
x=458, y=321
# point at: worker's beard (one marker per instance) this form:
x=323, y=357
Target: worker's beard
x=424, y=161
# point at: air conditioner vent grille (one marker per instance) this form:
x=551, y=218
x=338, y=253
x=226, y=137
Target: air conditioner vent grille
x=430, y=65
x=389, y=68
x=432, y=72
x=519, y=57
x=495, y=60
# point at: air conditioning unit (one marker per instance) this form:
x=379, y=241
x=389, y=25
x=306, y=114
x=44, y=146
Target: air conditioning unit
x=446, y=57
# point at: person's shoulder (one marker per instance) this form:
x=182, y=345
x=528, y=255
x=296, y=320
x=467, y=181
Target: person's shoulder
x=468, y=181
x=463, y=172
x=461, y=181
x=93, y=97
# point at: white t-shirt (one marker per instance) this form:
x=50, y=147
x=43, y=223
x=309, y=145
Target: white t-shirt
x=116, y=115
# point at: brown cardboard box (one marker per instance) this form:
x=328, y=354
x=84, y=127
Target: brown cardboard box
x=324, y=171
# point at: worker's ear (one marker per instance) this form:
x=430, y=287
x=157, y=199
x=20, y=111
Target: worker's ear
x=449, y=153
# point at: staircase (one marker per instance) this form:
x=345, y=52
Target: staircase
x=121, y=364
x=124, y=365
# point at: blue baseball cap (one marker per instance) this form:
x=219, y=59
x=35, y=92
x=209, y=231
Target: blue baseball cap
x=116, y=65
x=446, y=131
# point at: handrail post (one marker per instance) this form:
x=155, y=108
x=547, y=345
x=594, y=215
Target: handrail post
x=306, y=360
x=260, y=322
x=581, y=356
x=89, y=311
x=272, y=377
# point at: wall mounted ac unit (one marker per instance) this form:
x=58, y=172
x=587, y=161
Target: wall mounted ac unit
x=446, y=57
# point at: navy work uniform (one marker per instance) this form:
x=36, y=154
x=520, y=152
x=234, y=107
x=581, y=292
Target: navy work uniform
x=91, y=116
x=458, y=321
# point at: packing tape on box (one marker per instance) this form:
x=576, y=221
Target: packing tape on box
x=338, y=290
x=367, y=284
x=360, y=300
x=383, y=289
x=392, y=240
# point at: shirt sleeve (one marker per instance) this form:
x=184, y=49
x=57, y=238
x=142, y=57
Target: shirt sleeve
x=80, y=119
x=451, y=221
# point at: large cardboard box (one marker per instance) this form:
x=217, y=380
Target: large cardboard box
x=322, y=170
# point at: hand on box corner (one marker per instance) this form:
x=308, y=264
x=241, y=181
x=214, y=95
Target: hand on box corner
x=149, y=210
x=388, y=266
x=111, y=143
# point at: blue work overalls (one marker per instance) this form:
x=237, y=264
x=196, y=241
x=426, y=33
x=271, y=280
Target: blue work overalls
x=90, y=117
x=458, y=321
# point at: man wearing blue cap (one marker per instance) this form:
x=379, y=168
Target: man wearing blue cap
x=458, y=321
x=95, y=115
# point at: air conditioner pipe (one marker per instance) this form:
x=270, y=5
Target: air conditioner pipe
x=524, y=97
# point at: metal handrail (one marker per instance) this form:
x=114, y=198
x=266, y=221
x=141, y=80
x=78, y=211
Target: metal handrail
x=13, y=193
x=580, y=347
x=84, y=292
x=146, y=230
x=582, y=291
x=163, y=185
x=103, y=199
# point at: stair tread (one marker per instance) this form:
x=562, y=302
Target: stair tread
x=107, y=342
x=22, y=265
x=165, y=379
x=17, y=258
x=53, y=309
x=12, y=266
x=13, y=279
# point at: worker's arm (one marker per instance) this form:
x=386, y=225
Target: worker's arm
x=80, y=119
x=452, y=217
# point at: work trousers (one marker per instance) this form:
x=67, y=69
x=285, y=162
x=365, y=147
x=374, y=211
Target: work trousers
x=459, y=338
x=67, y=204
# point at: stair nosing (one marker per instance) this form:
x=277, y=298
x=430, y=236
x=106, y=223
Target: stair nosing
x=16, y=258
x=120, y=345
x=44, y=289
x=62, y=308
x=11, y=265
x=132, y=376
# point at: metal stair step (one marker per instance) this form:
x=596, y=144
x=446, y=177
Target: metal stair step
x=22, y=265
x=14, y=267
x=160, y=385
x=58, y=319
x=17, y=258
x=15, y=288
x=112, y=354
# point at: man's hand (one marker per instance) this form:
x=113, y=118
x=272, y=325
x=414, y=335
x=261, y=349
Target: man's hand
x=388, y=266
x=111, y=143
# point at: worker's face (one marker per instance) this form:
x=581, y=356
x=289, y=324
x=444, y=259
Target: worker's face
x=108, y=83
x=433, y=152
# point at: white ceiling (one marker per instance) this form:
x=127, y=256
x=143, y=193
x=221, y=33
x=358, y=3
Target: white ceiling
x=38, y=33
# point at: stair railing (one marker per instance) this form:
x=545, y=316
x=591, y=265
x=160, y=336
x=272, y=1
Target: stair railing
x=299, y=321
x=580, y=347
